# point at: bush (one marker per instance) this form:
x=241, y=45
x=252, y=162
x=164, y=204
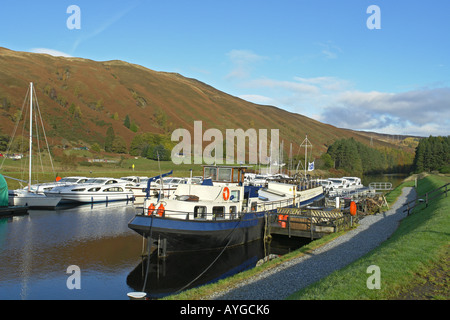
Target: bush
x=445, y=169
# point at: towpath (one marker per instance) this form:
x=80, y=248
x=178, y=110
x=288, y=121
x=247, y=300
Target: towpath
x=296, y=274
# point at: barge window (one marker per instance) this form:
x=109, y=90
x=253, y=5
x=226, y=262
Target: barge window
x=235, y=175
x=199, y=212
x=210, y=172
x=254, y=206
x=234, y=195
x=224, y=174
x=218, y=212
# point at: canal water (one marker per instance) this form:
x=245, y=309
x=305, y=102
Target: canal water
x=37, y=249
x=395, y=179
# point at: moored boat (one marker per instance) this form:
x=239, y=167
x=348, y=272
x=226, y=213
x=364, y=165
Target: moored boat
x=221, y=212
x=26, y=196
x=93, y=190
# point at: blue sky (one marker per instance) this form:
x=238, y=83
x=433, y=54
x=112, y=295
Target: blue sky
x=317, y=58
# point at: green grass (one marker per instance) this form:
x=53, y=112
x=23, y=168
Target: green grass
x=142, y=167
x=419, y=246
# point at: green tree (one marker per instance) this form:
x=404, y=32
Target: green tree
x=95, y=147
x=158, y=151
x=119, y=145
x=327, y=161
x=143, y=144
x=432, y=153
x=134, y=127
x=160, y=117
x=4, y=141
x=127, y=122
x=109, y=139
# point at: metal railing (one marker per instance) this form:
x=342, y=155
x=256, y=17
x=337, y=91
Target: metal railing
x=426, y=198
x=380, y=185
x=246, y=208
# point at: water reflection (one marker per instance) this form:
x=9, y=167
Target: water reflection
x=182, y=271
x=36, y=250
x=395, y=178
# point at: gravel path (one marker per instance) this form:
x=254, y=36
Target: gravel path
x=283, y=280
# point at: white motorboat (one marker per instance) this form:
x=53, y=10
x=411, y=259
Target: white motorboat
x=21, y=197
x=138, y=186
x=354, y=182
x=94, y=190
x=47, y=186
x=338, y=184
x=325, y=183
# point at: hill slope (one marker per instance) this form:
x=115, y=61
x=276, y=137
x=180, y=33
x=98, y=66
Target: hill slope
x=92, y=96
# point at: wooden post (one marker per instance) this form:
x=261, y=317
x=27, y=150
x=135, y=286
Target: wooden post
x=289, y=224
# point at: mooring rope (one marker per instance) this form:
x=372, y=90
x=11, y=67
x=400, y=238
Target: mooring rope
x=215, y=260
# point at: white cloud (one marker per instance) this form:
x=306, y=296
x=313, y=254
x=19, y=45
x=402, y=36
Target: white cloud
x=419, y=112
x=292, y=86
x=242, y=61
x=51, y=52
x=423, y=112
x=329, y=50
x=259, y=99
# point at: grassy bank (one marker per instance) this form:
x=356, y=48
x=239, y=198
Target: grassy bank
x=123, y=167
x=416, y=256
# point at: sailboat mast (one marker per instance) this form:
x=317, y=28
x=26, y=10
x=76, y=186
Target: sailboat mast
x=306, y=152
x=31, y=135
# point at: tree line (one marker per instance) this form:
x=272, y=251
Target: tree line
x=357, y=158
x=433, y=154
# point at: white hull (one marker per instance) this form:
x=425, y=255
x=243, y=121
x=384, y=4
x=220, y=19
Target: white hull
x=33, y=200
x=94, y=197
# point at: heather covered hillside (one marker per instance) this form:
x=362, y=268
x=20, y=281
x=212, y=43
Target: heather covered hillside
x=81, y=100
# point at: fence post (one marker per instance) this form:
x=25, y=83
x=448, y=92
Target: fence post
x=289, y=224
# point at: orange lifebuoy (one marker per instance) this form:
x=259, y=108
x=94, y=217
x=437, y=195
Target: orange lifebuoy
x=161, y=210
x=226, y=193
x=151, y=208
x=353, y=208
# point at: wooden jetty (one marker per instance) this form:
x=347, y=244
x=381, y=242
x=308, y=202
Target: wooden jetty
x=13, y=211
x=308, y=223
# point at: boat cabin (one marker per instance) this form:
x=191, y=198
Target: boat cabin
x=225, y=174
